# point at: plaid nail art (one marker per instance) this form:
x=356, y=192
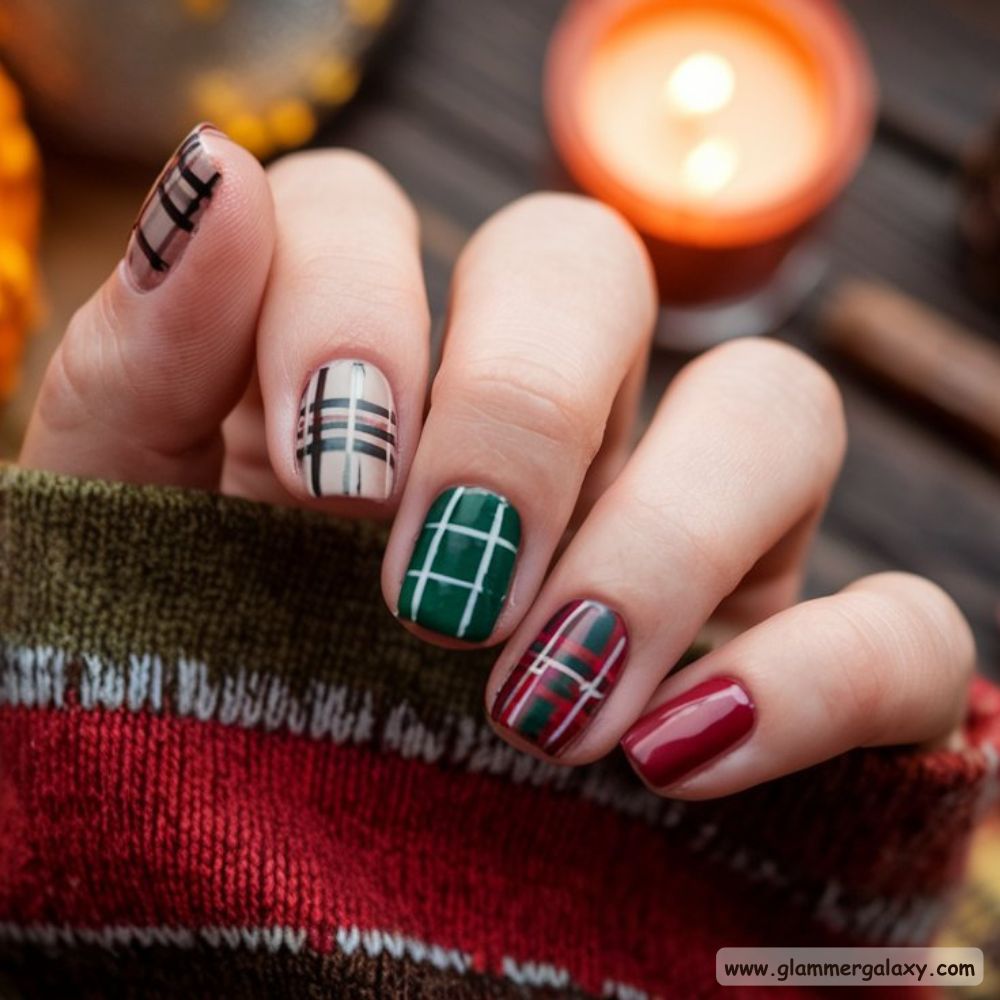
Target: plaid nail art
x=564, y=677
x=462, y=563
x=346, y=444
x=169, y=216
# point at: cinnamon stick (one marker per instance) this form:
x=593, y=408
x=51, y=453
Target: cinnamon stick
x=919, y=351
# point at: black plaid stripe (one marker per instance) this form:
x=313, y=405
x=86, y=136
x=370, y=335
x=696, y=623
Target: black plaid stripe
x=338, y=432
x=175, y=203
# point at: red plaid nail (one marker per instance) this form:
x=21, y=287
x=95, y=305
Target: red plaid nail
x=564, y=677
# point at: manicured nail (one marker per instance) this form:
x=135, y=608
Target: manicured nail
x=346, y=442
x=686, y=733
x=564, y=676
x=169, y=216
x=462, y=563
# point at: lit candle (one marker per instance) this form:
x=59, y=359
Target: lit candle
x=720, y=128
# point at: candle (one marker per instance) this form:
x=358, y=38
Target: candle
x=720, y=128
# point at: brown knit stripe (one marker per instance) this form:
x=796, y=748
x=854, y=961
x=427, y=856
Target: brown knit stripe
x=155, y=971
x=211, y=560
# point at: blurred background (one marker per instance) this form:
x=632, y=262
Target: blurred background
x=451, y=102
x=898, y=295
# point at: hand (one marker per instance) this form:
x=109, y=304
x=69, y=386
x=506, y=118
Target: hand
x=267, y=335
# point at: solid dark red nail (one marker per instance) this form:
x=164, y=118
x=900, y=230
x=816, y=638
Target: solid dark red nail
x=684, y=734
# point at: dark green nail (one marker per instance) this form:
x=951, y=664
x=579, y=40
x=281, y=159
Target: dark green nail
x=461, y=566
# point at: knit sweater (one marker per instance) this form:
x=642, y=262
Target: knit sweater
x=226, y=771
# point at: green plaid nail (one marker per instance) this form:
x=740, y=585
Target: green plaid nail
x=462, y=563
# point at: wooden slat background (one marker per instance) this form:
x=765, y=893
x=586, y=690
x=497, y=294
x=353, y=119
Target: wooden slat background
x=452, y=108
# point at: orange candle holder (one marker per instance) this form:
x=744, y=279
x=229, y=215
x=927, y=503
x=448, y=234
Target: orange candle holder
x=722, y=129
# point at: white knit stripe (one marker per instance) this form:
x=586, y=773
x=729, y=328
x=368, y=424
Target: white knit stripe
x=533, y=680
x=269, y=939
x=377, y=942
x=348, y=940
x=536, y=974
x=622, y=991
x=484, y=564
x=432, y=550
x=588, y=691
x=40, y=677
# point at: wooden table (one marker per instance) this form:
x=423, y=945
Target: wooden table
x=452, y=109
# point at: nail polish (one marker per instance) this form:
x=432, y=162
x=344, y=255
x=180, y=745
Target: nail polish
x=462, y=563
x=346, y=440
x=169, y=216
x=689, y=731
x=564, y=677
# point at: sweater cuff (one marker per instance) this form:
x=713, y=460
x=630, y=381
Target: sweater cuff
x=210, y=723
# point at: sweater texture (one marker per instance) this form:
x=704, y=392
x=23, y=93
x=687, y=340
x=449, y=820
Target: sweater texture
x=226, y=771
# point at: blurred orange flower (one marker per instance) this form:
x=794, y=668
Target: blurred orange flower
x=20, y=203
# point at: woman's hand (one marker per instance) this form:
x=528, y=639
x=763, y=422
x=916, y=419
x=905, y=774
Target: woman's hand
x=267, y=334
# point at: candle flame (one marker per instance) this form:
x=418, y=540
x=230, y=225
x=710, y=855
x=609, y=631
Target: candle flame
x=710, y=166
x=702, y=84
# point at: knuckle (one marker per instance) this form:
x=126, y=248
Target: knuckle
x=696, y=544
x=860, y=692
x=574, y=223
x=537, y=406
x=578, y=210
x=343, y=169
x=906, y=652
x=927, y=620
x=786, y=370
x=62, y=397
x=783, y=381
x=569, y=244
x=374, y=293
x=84, y=366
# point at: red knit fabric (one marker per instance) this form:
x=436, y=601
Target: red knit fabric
x=146, y=821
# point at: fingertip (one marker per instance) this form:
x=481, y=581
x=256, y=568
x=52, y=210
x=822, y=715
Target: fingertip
x=207, y=216
x=154, y=361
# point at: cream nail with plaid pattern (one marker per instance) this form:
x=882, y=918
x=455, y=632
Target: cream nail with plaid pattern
x=169, y=216
x=462, y=564
x=346, y=440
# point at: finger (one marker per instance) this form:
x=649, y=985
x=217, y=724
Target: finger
x=741, y=453
x=343, y=342
x=552, y=306
x=151, y=365
x=887, y=661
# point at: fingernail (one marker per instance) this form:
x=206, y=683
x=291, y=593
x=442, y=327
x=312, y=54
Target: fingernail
x=346, y=441
x=169, y=216
x=686, y=733
x=564, y=676
x=462, y=563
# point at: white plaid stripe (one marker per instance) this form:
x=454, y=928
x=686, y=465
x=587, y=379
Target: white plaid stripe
x=588, y=691
x=357, y=387
x=357, y=396
x=443, y=578
x=461, y=529
x=423, y=574
x=531, y=676
x=542, y=663
x=484, y=565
